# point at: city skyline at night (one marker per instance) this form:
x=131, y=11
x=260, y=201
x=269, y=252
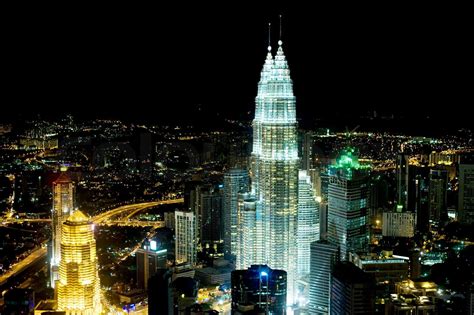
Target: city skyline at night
x=212, y=180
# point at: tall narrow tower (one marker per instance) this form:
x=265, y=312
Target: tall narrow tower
x=63, y=205
x=78, y=286
x=275, y=169
x=347, y=200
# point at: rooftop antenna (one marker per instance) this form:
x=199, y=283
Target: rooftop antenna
x=269, y=33
x=280, y=26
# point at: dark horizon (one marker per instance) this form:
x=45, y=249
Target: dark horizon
x=112, y=63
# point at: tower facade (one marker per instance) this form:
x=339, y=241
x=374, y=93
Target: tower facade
x=466, y=193
x=308, y=222
x=347, y=204
x=275, y=170
x=438, y=194
x=323, y=258
x=78, y=286
x=63, y=205
x=235, y=181
x=185, y=244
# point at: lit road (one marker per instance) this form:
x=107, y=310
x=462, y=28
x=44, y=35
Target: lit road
x=20, y=266
x=106, y=217
x=133, y=209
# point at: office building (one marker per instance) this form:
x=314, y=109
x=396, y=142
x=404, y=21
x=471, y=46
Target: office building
x=247, y=230
x=63, y=206
x=235, y=181
x=352, y=290
x=323, y=258
x=386, y=268
x=347, y=204
x=259, y=288
x=398, y=223
x=211, y=231
x=308, y=222
x=78, y=286
x=307, y=151
x=185, y=243
x=149, y=259
x=438, y=195
x=466, y=193
x=160, y=293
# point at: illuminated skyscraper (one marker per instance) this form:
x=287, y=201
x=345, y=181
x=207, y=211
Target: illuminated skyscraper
x=308, y=222
x=78, y=286
x=63, y=205
x=185, y=244
x=347, y=204
x=235, y=181
x=275, y=170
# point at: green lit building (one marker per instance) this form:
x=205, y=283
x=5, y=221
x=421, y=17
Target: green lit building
x=347, y=204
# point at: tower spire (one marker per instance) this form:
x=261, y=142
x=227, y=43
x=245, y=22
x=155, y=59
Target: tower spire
x=269, y=48
x=280, y=30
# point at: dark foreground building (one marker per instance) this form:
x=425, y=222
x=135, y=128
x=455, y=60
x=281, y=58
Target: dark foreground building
x=352, y=291
x=19, y=301
x=160, y=294
x=258, y=290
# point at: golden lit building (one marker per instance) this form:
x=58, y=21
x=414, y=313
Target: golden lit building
x=63, y=205
x=78, y=286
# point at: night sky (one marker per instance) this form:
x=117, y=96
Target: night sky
x=165, y=64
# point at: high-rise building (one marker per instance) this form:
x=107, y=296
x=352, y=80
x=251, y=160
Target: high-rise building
x=421, y=198
x=160, y=293
x=438, y=194
x=185, y=243
x=206, y=203
x=210, y=228
x=247, y=229
x=149, y=259
x=386, y=268
x=19, y=302
x=63, y=206
x=275, y=169
x=78, y=286
x=352, y=290
x=235, y=181
x=259, y=288
x=466, y=193
x=308, y=222
x=405, y=182
x=323, y=258
x=347, y=204
x=307, y=152
x=398, y=223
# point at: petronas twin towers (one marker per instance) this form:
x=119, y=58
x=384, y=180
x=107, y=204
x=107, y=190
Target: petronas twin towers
x=268, y=217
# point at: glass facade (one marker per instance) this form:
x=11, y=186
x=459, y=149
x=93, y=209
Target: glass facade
x=308, y=222
x=347, y=204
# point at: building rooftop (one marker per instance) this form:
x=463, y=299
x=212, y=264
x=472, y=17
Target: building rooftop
x=78, y=216
x=348, y=272
x=63, y=178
